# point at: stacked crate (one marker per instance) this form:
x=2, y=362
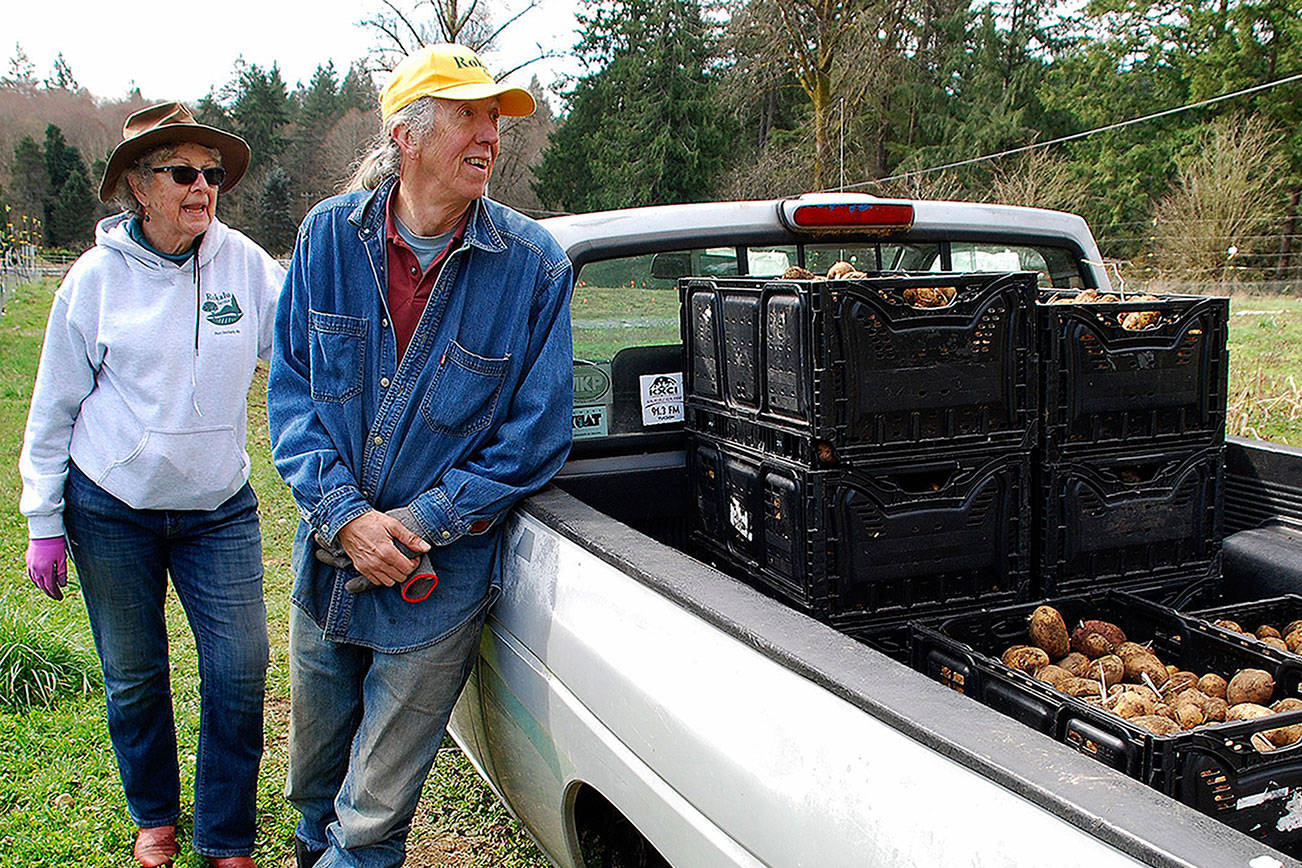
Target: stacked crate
x=1129, y=476
x=865, y=458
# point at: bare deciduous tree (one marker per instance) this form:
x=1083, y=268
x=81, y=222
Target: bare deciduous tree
x=1219, y=220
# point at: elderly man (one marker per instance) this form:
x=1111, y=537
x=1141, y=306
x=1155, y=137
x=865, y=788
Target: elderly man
x=420, y=386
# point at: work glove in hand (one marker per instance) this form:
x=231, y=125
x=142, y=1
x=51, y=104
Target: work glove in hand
x=331, y=554
x=334, y=555
x=47, y=565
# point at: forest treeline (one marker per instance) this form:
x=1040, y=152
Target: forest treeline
x=683, y=101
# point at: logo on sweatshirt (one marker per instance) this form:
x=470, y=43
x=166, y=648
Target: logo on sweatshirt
x=221, y=308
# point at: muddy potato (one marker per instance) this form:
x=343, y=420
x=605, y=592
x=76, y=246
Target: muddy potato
x=1107, y=668
x=1161, y=709
x=1052, y=675
x=1179, y=680
x=1125, y=649
x=1188, y=715
x=1212, y=684
x=1285, y=735
x=839, y=269
x=1049, y=631
x=1090, y=643
x=1156, y=724
x=1025, y=658
x=1148, y=693
x=1247, y=711
x=1082, y=687
x=1129, y=705
x=1293, y=641
x=1265, y=630
x=1215, y=709
x=795, y=272
x=1230, y=625
x=1189, y=696
x=1076, y=663
x=1107, y=629
x=1288, y=703
x=1292, y=626
x=1139, y=665
x=1251, y=686
x=1274, y=642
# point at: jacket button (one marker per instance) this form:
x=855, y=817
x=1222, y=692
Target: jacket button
x=385, y=323
x=325, y=530
x=446, y=534
x=414, y=271
x=384, y=381
x=378, y=441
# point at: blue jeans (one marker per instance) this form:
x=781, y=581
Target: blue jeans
x=364, y=729
x=123, y=557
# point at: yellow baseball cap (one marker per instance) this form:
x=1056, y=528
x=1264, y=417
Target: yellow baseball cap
x=449, y=71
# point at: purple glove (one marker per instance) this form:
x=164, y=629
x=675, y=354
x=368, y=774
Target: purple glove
x=47, y=564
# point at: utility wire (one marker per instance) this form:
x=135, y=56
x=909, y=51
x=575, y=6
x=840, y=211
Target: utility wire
x=1073, y=136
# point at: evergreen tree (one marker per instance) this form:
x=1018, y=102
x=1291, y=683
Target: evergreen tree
x=276, y=226
x=71, y=216
x=317, y=110
x=22, y=72
x=260, y=111
x=61, y=77
x=61, y=158
x=29, y=184
x=357, y=90
x=644, y=128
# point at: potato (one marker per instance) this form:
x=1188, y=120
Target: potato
x=1247, y=711
x=1107, y=668
x=1293, y=641
x=1171, y=669
x=1025, y=658
x=795, y=272
x=1076, y=663
x=839, y=269
x=1149, y=695
x=1230, y=625
x=1179, y=680
x=1090, y=643
x=1251, y=686
x=1139, y=665
x=1292, y=626
x=1156, y=724
x=1274, y=642
x=1212, y=684
x=1052, y=675
x=1288, y=703
x=1125, y=649
x=1188, y=715
x=1082, y=687
x=1265, y=631
x=1215, y=709
x=1189, y=696
x=1285, y=735
x=1128, y=705
x=1107, y=629
x=1049, y=631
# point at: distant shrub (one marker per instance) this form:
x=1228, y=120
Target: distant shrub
x=39, y=664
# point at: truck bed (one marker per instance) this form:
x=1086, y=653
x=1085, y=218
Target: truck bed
x=647, y=541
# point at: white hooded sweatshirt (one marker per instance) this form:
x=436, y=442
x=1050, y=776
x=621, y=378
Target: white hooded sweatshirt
x=145, y=372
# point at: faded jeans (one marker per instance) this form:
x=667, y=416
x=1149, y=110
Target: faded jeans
x=123, y=557
x=364, y=729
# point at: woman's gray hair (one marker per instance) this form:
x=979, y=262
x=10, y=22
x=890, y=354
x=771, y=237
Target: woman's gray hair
x=384, y=158
x=122, y=195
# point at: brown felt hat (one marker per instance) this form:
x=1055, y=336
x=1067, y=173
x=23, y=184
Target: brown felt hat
x=171, y=122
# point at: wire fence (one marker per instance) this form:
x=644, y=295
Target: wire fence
x=18, y=264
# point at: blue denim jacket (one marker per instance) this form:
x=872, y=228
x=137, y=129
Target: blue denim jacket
x=475, y=417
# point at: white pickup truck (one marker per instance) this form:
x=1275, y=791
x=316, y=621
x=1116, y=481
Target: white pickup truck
x=636, y=706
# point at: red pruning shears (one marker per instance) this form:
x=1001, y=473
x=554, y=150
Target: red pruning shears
x=418, y=585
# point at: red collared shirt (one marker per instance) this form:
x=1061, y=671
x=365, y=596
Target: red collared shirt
x=409, y=289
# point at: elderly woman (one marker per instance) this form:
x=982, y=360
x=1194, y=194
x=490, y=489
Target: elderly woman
x=134, y=461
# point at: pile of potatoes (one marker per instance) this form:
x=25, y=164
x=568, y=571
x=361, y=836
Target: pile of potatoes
x=1287, y=638
x=1135, y=320
x=1097, y=663
x=923, y=296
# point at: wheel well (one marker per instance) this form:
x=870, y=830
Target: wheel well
x=608, y=839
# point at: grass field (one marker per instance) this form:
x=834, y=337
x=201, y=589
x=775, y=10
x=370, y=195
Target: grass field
x=60, y=803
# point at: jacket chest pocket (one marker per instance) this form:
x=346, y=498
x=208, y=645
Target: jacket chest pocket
x=463, y=397
x=338, y=355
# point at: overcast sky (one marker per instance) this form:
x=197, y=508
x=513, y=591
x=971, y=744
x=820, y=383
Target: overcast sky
x=181, y=51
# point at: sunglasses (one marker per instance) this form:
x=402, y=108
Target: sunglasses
x=186, y=175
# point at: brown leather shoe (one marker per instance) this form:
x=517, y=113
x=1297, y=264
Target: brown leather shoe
x=155, y=846
x=230, y=861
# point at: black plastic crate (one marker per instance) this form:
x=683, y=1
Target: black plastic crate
x=1216, y=768
x=1275, y=611
x=1106, y=387
x=855, y=370
x=1128, y=520
x=862, y=545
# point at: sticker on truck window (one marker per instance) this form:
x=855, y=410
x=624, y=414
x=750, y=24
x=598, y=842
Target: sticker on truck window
x=662, y=398
x=590, y=422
